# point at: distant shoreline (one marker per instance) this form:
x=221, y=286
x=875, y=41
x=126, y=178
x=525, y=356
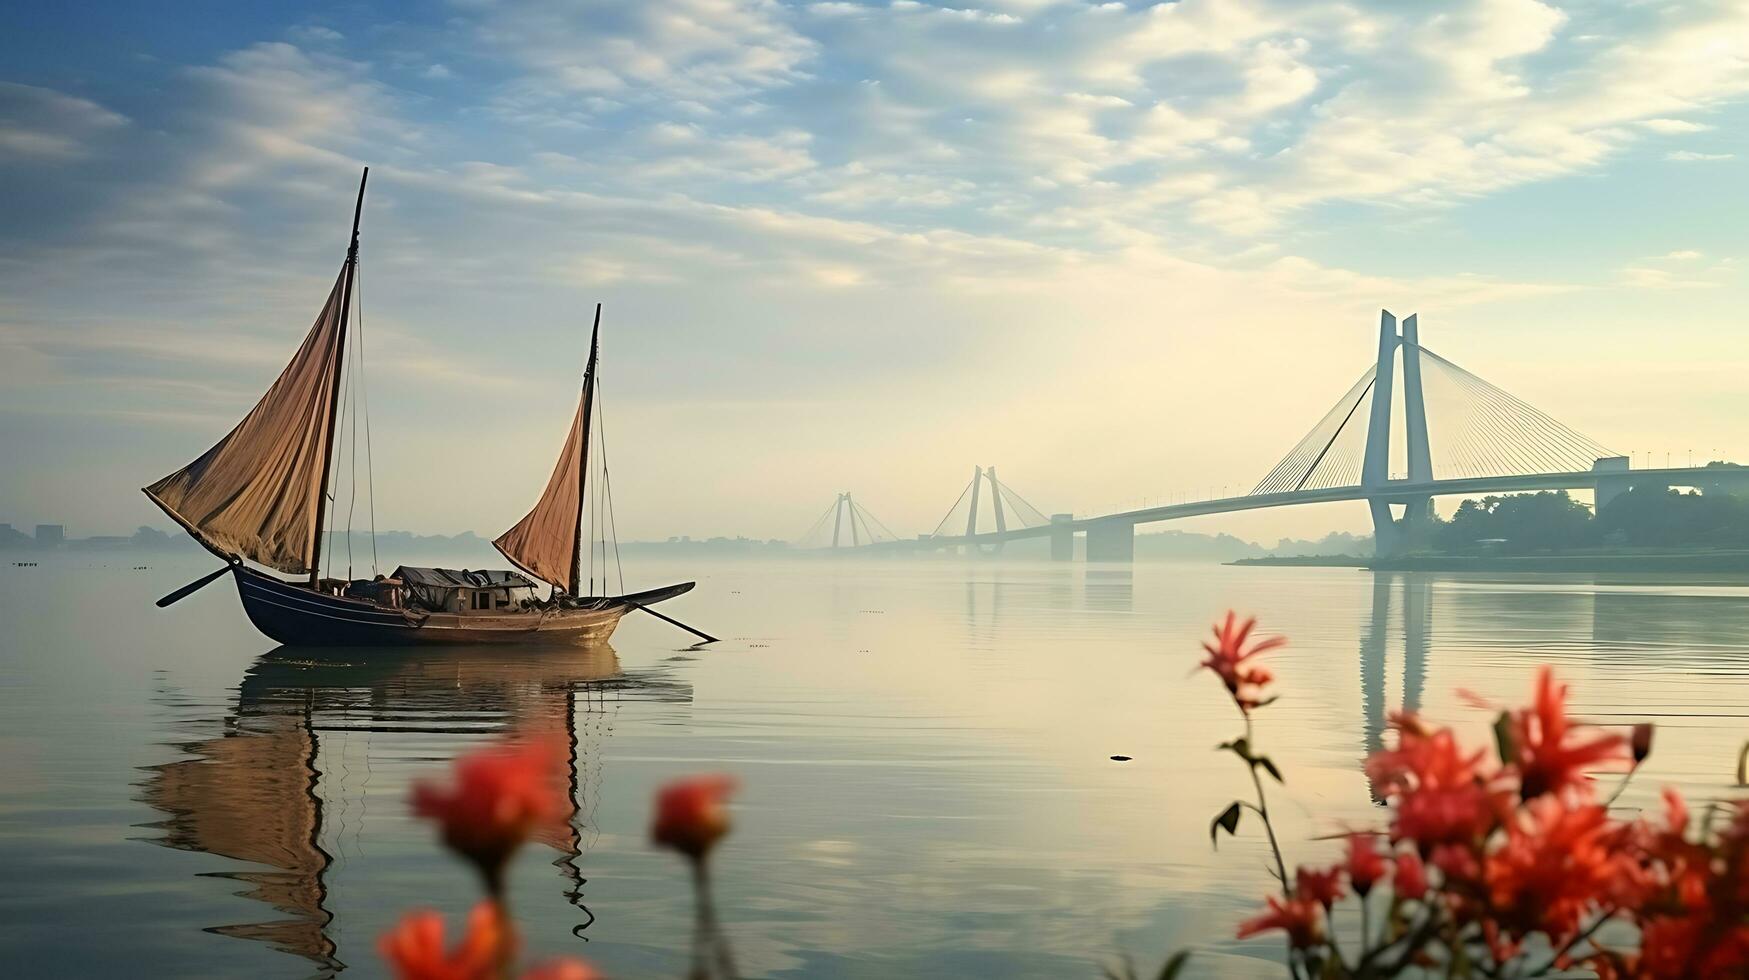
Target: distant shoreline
x=1630, y=561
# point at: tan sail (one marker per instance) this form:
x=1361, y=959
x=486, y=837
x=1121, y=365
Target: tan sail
x=257, y=494
x=545, y=543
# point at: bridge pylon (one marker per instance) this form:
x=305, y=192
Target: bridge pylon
x=1009, y=513
x=1389, y=537
x=852, y=526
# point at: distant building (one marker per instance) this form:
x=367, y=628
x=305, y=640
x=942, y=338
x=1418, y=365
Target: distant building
x=50, y=535
x=11, y=537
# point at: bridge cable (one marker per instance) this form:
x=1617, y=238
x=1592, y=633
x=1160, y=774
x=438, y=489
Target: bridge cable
x=1555, y=445
x=867, y=516
x=1012, y=497
x=1291, y=470
x=1345, y=419
x=950, y=511
x=819, y=524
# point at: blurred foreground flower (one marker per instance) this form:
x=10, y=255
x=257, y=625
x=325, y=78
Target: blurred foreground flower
x=499, y=796
x=692, y=815
x=415, y=947
x=415, y=950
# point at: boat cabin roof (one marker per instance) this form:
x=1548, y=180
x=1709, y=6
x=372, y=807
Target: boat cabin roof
x=451, y=578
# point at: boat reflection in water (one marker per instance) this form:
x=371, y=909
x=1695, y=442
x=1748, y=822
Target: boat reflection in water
x=257, y=792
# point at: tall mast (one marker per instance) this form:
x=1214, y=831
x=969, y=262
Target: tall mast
x=334, y=392
x=583, y=451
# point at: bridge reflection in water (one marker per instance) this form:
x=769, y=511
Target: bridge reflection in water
x=1413, y=598
x=256, y=790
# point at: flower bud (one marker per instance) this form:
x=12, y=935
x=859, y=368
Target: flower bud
x=1642, y=742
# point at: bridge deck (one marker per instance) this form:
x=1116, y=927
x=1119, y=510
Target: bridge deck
x=1397, y=491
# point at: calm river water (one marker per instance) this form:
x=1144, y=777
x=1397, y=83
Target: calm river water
x=923, y=747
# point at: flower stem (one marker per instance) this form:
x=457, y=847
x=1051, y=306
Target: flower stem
x=1287, y=887
x=710, y=932
x=1365, y=926
x=1626, y=778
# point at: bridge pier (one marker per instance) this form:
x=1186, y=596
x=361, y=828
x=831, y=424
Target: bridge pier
x=1387, y=539
x=1111, y=541
x=1062, y=537
x=1610, y=486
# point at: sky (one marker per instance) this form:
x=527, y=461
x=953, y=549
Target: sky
x=1125, y=252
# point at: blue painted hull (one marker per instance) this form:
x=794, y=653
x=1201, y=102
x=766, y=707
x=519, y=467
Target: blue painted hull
x=298, y=616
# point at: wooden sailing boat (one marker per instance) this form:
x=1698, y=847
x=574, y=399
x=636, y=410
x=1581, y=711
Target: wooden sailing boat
x=259, y=496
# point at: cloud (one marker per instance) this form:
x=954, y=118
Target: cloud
x=39, y=125
x=1692, y=156
x=1669, y=127
x=1647, y=277
x=704, y=50
x=854, y=204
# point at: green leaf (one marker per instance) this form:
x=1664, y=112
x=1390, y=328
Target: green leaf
x=1503, y=738
x=1174, y=965
x=1126, y=970
x=1743, y=766
x=1269, y=767
x=1229, y=820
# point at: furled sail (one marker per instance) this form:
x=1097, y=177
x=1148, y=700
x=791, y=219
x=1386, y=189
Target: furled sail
x=257, y=494
x=545, y=543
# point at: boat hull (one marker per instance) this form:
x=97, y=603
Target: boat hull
x=298, y=616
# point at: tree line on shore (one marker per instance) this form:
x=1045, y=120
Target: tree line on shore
x=1553, y=521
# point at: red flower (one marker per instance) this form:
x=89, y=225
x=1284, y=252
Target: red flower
x=499, y=797
x=565, y=969
x=1559, y=861
x=1457, y=863
x=1323, y=887
x=1409, y=876
x=1301, y=918
x=1547, y=750
x=690, y=814
x=414, y=948
x=1365, y=866
x=1440, y=795
x=1227, y=656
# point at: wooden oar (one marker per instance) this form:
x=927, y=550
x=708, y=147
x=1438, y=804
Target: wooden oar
x=666, y=619
x=192, y=587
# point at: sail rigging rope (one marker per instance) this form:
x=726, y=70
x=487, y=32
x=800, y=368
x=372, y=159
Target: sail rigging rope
x=332, y=497
x=355, y=400
x=352, y=446
x=369, y=460
x=589, y=495
x=612, y=527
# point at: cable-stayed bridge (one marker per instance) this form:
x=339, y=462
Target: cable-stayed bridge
x=1412, y=427
x=851, y=524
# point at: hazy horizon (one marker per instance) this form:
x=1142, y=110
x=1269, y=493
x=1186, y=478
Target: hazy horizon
x=1122, y=252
